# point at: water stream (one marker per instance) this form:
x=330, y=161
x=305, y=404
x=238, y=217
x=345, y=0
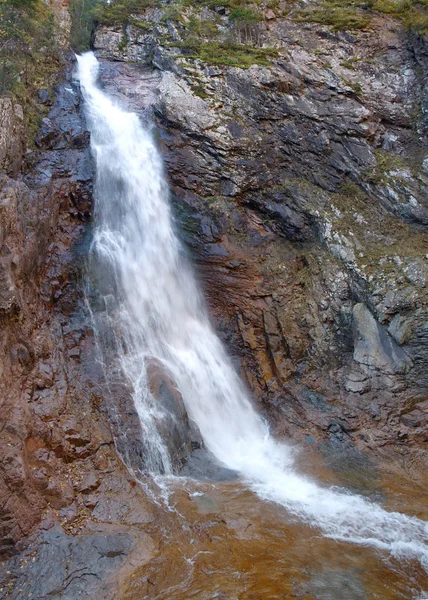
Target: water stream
x=158, y=313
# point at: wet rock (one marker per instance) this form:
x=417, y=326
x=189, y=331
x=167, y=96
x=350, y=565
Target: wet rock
x=173, y=426
x=203, y=466
x=37, y=234
x=119, y=502
x=333, y=584
x=58, y=565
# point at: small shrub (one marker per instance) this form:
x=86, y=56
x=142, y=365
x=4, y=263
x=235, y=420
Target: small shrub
x=172, y=12
x=350, y=63
x=139, y=24
x=199, y=90
x=357, y=88
x=385, y=162
x=413, y=13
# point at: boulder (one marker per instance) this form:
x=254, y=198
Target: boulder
x=374, y=347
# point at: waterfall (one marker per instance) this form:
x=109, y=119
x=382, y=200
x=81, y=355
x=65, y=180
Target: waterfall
x=158, y=313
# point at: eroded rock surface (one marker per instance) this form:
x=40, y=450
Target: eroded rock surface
x=59, y=463
x=301, y=192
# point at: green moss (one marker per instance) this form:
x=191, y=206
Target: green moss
x=413, y=13
x=385, y=162
x=344, y=15
x=227, y=54
x=29, y=56
x=356, y=14
x=236, y=55
x=120, y=12
x=199, y=91
x=139, y=24
x=356, y=87
x=350, y=63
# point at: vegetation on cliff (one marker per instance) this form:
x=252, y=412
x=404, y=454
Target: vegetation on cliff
x=357, y=14
x=232, y=32
x=339, y=14
x=29, y=53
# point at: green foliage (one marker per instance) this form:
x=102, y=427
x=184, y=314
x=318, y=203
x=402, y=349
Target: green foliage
x=385, y=163
x=244, y=21
x=123, y=42
x=413, y=13
x=27, y=43
x=28, y=54
x=8, y=75
x=356, y=87
x=119, y=12
x=244, y=15
x=199, y=90
x=139, y=24
x=273, y=4
x=205, y=40
x=82, y=24
x=357, y=14
x=206, y=28
x=172, y=12
x=340, y=15
x=350, y=63
x=230, y=54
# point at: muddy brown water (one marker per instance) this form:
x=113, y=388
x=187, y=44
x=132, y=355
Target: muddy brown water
x=218, y=540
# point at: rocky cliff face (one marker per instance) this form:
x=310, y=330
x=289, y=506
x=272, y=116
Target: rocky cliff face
x=300, y=190
x=300, y=187
x=58, y=455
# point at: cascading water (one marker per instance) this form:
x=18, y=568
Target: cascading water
x=159, y=314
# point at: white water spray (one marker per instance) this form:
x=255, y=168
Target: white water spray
x=160, y=314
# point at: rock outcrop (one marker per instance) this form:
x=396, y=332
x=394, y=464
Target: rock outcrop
x=59, y=463
x=300, y=189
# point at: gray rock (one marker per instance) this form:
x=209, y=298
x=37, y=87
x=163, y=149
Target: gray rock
x=400, y=328
x=42, y=96
x=64, y=567
x=357, y=383
x=374, y=347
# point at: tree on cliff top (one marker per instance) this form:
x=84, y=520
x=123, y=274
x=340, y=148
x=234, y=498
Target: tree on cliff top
x=27, y=43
